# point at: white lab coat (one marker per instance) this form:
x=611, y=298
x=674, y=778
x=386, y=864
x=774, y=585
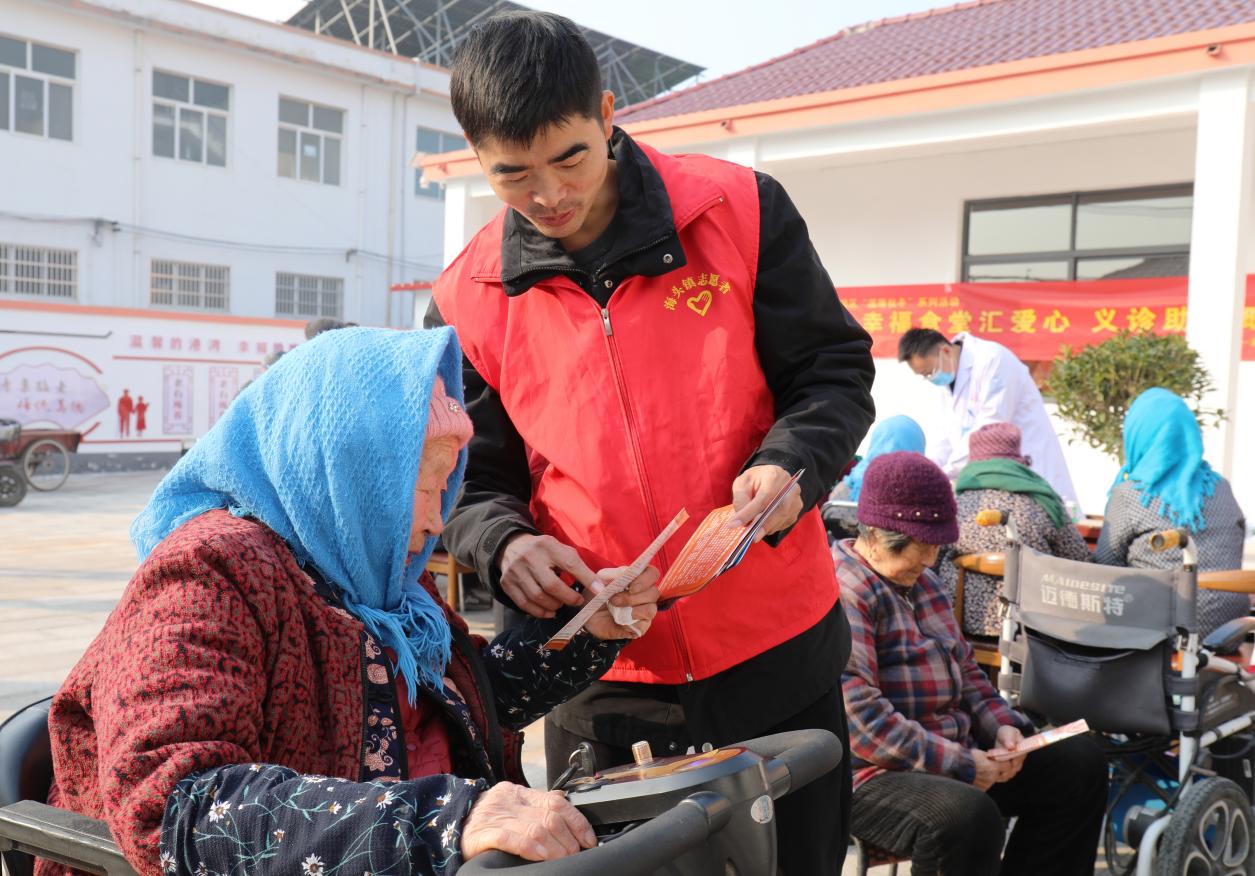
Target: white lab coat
x=993, y=386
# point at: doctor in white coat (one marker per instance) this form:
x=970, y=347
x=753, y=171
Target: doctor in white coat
x=980, y=382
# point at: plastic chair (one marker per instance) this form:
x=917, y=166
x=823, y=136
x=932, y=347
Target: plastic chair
x=30, y=827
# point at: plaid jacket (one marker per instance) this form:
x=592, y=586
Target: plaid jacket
x=915, y=696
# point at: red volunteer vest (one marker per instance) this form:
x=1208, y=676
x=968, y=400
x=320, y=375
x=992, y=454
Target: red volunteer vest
x=651, y=406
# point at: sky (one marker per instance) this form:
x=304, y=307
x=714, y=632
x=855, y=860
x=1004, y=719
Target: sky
x=720, y=35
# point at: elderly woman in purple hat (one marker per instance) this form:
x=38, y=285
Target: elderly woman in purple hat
x=924, y=720
x=998, y=476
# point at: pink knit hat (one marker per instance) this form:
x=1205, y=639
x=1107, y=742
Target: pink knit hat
x=446, y=417
x=996, y=441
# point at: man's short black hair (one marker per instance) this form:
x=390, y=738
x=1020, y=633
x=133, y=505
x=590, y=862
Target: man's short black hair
x=519, y=72
x=919, y=342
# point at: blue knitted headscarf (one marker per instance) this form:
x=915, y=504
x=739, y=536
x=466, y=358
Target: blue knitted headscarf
x=891, y=435
x=1163, y=457
x=324, y=449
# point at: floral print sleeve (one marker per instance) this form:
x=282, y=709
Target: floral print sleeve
x=248, y=819
x=529, y=681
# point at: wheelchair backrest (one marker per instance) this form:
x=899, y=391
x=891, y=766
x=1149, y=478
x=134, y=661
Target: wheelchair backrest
x=25, y=767
x=26, y=754
x=1095, y=642
x=1098, y=606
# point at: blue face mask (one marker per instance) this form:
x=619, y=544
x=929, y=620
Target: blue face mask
x=941, y=378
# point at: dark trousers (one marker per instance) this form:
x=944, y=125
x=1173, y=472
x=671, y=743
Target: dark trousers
x=948, y=827
x=812, y=827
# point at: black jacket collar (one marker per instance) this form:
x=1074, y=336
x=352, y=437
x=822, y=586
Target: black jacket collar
x=643, y=224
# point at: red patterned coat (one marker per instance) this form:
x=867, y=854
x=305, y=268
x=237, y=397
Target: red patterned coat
x=221, y=652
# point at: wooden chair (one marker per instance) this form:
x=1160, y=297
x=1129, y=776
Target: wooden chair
x=992, y=564
x=1090, y=528
x=869, y=856
x=442, y=563
x=1228, y=581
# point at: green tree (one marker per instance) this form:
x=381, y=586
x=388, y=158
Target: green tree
x=1095, y=385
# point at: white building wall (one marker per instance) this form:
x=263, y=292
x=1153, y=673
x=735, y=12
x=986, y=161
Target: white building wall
x=109, y=170
x=901, y=222
x=372, y=230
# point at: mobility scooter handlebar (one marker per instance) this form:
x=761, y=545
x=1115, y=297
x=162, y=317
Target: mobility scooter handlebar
x=789, y=761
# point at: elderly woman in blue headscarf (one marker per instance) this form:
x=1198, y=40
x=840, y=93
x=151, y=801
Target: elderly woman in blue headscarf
x=895, y=434
x=281, y=688
x=1166, y=484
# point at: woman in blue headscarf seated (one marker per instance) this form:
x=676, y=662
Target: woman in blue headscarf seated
x=281, y=688
x=1166, y=484
x=840, y=513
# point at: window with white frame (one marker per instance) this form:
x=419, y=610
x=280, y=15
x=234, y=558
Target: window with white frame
x=310, y=136
x=38, y=270
x=189, y=285
x=308, y=296
x=190, y=118
x=37, y=89
x=431, y=142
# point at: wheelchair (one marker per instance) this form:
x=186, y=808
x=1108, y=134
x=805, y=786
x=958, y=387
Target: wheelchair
x=707, y=813
x=1120, y=648
x=840, y=517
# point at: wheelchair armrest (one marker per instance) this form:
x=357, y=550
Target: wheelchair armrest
x=60, y=835
x=1226, y=638
x=1228, y=580
x=986, y=564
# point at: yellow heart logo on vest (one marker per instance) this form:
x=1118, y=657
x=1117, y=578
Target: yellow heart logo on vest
x=699, y=304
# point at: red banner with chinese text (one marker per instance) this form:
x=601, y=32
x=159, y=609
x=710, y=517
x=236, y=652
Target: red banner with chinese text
x=1033, y=320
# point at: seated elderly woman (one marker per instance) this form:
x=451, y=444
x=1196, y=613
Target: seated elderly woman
x=1166, y=484
x=924, y=719
x=895, y=433
x=998, y=476
x=280, y=688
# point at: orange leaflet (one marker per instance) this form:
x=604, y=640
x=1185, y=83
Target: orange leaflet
x=711, y=546
x=719, y=544
x=1041, y=740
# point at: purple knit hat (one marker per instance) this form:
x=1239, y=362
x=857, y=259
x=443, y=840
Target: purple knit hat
x=996, y=441
x=906, y=492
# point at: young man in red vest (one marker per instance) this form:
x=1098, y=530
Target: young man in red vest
x=645, y=333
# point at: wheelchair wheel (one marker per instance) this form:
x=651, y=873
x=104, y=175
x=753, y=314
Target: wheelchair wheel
x=1209, y=834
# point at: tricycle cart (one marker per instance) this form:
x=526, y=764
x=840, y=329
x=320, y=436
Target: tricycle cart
x=43, y=455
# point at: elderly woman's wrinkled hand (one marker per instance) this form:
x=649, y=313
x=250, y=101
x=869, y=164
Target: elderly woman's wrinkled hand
x=1009, y=739
x=536, y=825
x=641, y=597
x=990, y=772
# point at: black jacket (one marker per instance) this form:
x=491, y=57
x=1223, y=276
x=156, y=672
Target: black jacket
x=816, y=358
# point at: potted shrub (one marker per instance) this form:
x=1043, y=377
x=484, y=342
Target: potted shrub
x=1093, y=386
